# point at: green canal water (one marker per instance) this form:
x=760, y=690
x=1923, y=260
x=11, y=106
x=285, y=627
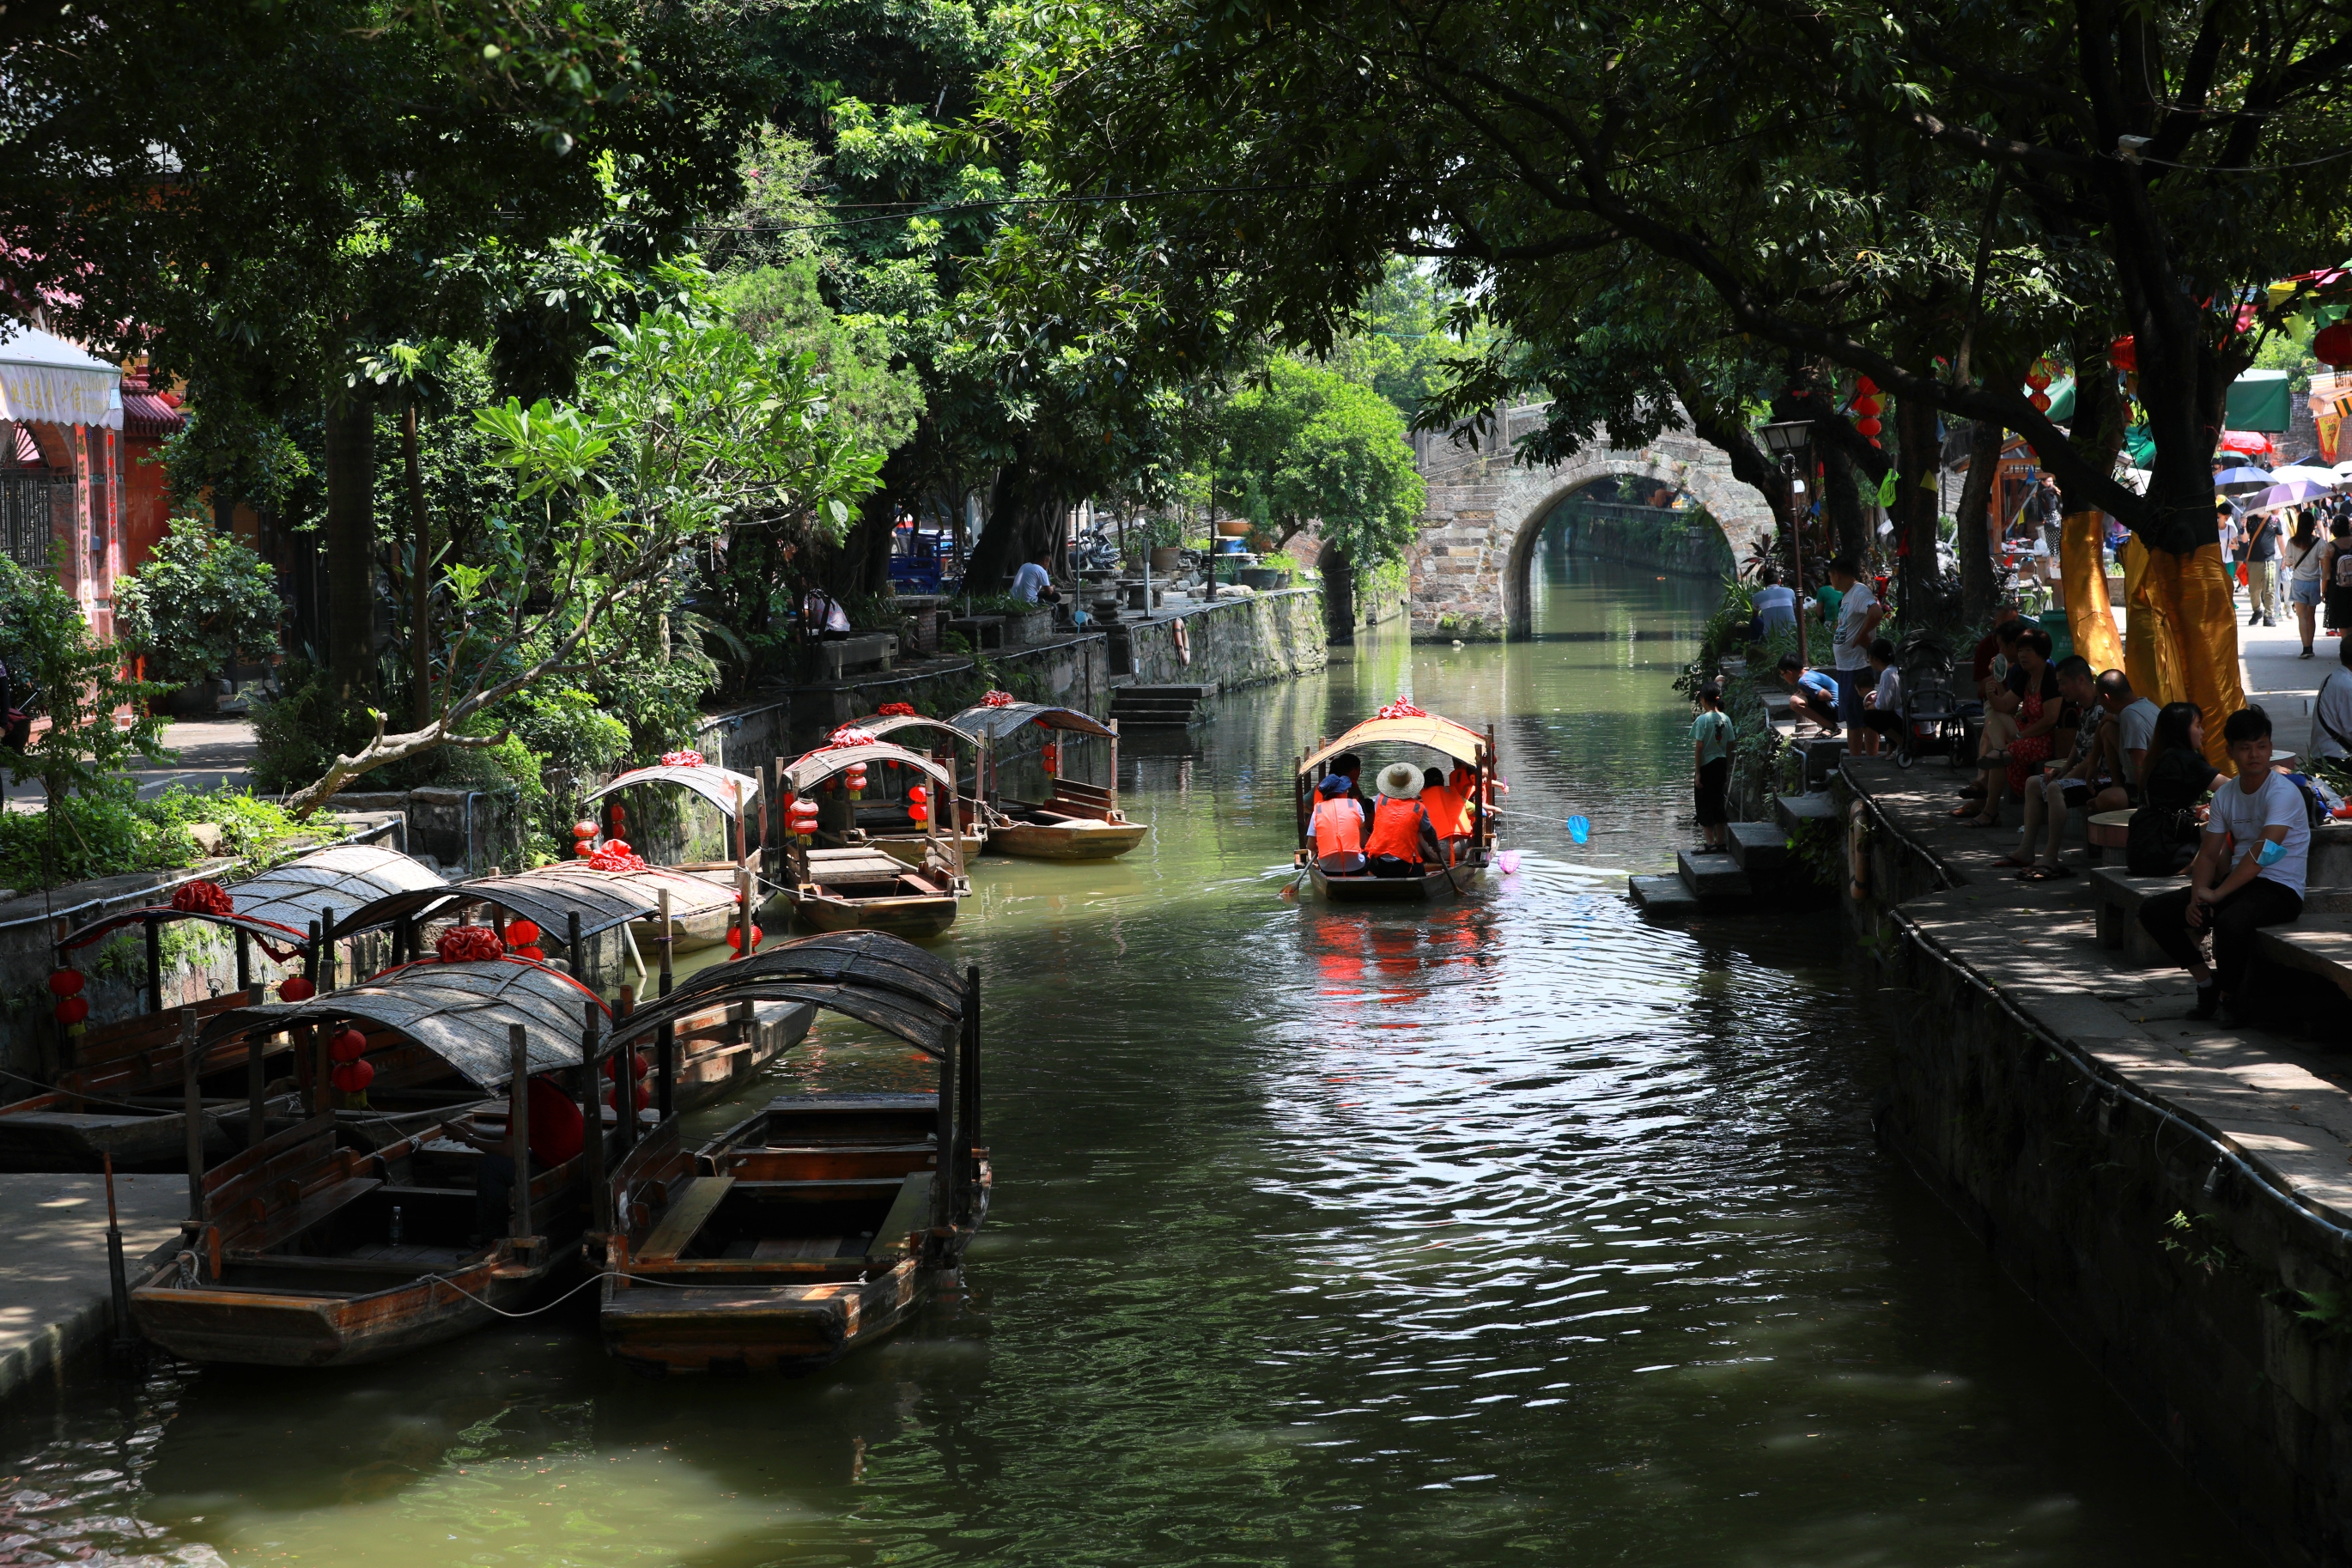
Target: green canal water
x=1519, y=1232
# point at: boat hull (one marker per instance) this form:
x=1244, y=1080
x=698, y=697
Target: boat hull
x=744, y=1326
x=1060, y=841
x=918, y=919
x=1436, y=883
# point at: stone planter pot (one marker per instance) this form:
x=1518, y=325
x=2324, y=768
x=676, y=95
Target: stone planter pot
x=1234, y=529
x=1164, y=560
x=1262, y=578
x=1020, y=631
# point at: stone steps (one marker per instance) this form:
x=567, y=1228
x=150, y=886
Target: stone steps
x=1759, y=845
x=1159, y=707
x=1706, y=881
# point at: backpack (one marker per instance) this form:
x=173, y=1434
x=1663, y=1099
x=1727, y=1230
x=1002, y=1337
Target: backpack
x=2344, y=567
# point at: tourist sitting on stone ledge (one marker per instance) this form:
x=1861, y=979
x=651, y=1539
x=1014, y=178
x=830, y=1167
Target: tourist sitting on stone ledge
x=1990, y=662
x=2249, y=873
x=2174, y=778
x=1881, y=705
x=2039, y=712
x=1813, y=695
x=2063, y=785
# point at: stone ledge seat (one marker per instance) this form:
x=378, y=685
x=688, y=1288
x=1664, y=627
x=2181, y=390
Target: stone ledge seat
x=2115, y=899
x=2319, y=943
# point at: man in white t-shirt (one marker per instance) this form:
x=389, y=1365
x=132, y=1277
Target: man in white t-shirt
x=2248, y=872
x=1032, y=581
x=1859, y=613
x=2131, y=722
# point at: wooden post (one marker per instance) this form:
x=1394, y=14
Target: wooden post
x=967, y=1167
x=192, y=1105
x=154, y=965
x=326, y=981
x=117, y=1278
x=518, y=1126
x=244, y=961
x=1114, y=764
x=666, y=1041
x=943, y=1170
x=591, y=1102
x=666, y=941
x=255, y=1078
x=742, y=913
x=576, y=950
x=625, y=1082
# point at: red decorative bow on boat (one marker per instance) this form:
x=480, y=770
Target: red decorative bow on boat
x=1401, y=708
x=202, y=898
x=470, y=944
x=897, y=709
x=615, y=854
x=850, y=735
x=682, y=759
x=997, y=699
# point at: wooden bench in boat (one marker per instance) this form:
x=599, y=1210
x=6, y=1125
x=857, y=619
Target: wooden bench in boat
x=910, y=1211
x=691, y=1204
x=277, y=1229
x=849, y=867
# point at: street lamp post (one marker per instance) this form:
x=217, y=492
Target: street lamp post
x=1788, y=440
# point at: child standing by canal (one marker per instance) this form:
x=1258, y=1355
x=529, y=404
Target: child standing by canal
x=1711, y=757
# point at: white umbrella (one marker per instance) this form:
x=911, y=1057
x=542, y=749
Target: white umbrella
x=2291, y=494
x=2316, y=476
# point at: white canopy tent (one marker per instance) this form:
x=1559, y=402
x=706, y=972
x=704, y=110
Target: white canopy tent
x=43, y=377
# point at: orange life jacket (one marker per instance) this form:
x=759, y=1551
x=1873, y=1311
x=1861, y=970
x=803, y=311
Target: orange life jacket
x=1445, y=808
x=1396, y=829
x=1338, y=825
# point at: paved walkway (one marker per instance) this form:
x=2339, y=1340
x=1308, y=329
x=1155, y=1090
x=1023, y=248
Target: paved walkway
x=212, y=752
x=53, y=1274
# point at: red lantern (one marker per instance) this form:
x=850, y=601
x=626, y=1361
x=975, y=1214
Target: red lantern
x=584, y=830
x=72, y=1010
x=348, y=1046
x=1868, y=427
x=2333, y=345
x=2040, y=401
x=536, y=954
x=919, y=812
x=294, y=988
x=583, y=847
x=617, y=815
x=638, y=1066
x=521, y=933
x=735, y=937
x=2124, y=355
x=1864, y=386
x=1867, y=407
x=67, y=981
x=352, y=1077
x=1052, y=755
x=2037, y=378
x=917, y=794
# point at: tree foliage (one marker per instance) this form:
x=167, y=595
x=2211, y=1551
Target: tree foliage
x=1309, y=447
x=201, y=602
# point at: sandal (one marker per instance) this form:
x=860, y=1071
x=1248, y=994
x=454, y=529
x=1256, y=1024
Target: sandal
x=1966, y=811
x=2045, y=873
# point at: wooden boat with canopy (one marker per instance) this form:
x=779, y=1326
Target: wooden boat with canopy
x=858, y=886
x=885, y=818
x=1075, y=821
x=115, y=1088
x=823, y=1221
x=310, y=1249
x=1402, y=725
x=703, y=893
x=579, y=915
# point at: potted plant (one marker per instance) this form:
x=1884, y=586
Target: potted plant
x=200, y=605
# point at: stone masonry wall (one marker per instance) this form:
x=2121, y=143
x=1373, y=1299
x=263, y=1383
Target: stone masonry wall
x=1241, y=641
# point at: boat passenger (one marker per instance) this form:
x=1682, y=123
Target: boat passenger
x=1447, y=811
x=1350, y=766
x=1404, y=840
x=1338, y=829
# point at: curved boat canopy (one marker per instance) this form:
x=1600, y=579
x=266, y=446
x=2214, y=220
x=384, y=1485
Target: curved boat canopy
x=722, y=787
x=277, y=906
x=820, y=766
x=882, y=726
x=550, y=896
x=984, y=722
x=1459, y=741
x=882, y=980
x=459, y=1012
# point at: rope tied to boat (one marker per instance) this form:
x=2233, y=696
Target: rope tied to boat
x=601, y=1274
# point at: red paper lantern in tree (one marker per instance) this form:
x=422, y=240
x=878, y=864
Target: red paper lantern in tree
x=67, y=981
x=521, y=933
x=2332, y=345
x=354, y=1077
x=1864, y=386
x=1867, y=407
x=584, y=830
x=2038, y=377
x=583, y=847
x=2040, y=401
x=72, y=1010
x=2124, y=355
x=1868, y=427
x=348, y=1046
x=294, y=988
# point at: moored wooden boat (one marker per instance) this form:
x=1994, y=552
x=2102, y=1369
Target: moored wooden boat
x=308, y=1251
x=823, y=1221
x=883, y=821
x=1077, y=820
x=1403, y=725
x=120, y=1088
x=699, y=916
x=860, y=888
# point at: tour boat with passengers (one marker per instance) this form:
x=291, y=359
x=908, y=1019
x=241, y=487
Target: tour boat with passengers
x=823, y=1221
x=1075, y=821
x=1402, y=726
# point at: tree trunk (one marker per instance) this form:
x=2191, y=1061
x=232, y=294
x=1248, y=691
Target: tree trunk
x=420, y=578
x=1973, y=541
x=1849, y=524
x=349, y=548
x=1338, y=595
x=997, y=551
x=862, y=565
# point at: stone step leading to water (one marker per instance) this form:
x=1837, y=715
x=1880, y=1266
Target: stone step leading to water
x=1709, y=875
x=1662, y=896
x=1759, y=845
x=1792, y=811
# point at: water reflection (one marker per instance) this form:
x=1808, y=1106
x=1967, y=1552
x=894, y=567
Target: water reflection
x=1513, y=1230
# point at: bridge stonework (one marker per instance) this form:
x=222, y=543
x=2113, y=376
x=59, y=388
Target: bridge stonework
x=1467, y=574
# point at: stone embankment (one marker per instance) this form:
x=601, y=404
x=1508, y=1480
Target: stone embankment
x=2176, y=1195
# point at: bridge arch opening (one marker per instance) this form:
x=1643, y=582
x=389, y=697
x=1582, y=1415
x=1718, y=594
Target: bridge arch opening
x=1638, y=519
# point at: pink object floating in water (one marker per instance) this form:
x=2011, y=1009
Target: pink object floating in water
x=1508, y=860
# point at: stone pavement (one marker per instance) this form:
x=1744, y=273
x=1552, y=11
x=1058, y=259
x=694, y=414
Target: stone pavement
x=2282, y=1106
x=211, y=752
x=54, y=1296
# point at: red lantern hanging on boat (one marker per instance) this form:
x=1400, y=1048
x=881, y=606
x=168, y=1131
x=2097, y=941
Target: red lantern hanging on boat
x=584, y=830
x=638, y=1066
x=735, y=937
x=348, y=1046
x=294, y=988
x=856, y=780
x=72, y=1010
x=1052, y=755
x=2332, y=345
x=521, y=933
x=352, y=1076
x=536, y=954
x=67, y=981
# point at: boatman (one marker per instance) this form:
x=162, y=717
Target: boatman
x=1404, y=840
x=1339, y=828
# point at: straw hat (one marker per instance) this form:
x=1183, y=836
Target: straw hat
x=1400, y=780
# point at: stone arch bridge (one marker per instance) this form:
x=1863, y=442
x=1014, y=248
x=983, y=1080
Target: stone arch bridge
x=1468, y=576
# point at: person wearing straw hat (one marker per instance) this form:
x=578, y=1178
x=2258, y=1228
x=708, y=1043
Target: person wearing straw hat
x=1404, y=840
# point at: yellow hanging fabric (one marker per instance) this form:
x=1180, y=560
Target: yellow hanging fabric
x=2208, y=618
x=2090, y=618
x=2148, y=674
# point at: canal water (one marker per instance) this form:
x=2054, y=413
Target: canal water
x=1517, y=1230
